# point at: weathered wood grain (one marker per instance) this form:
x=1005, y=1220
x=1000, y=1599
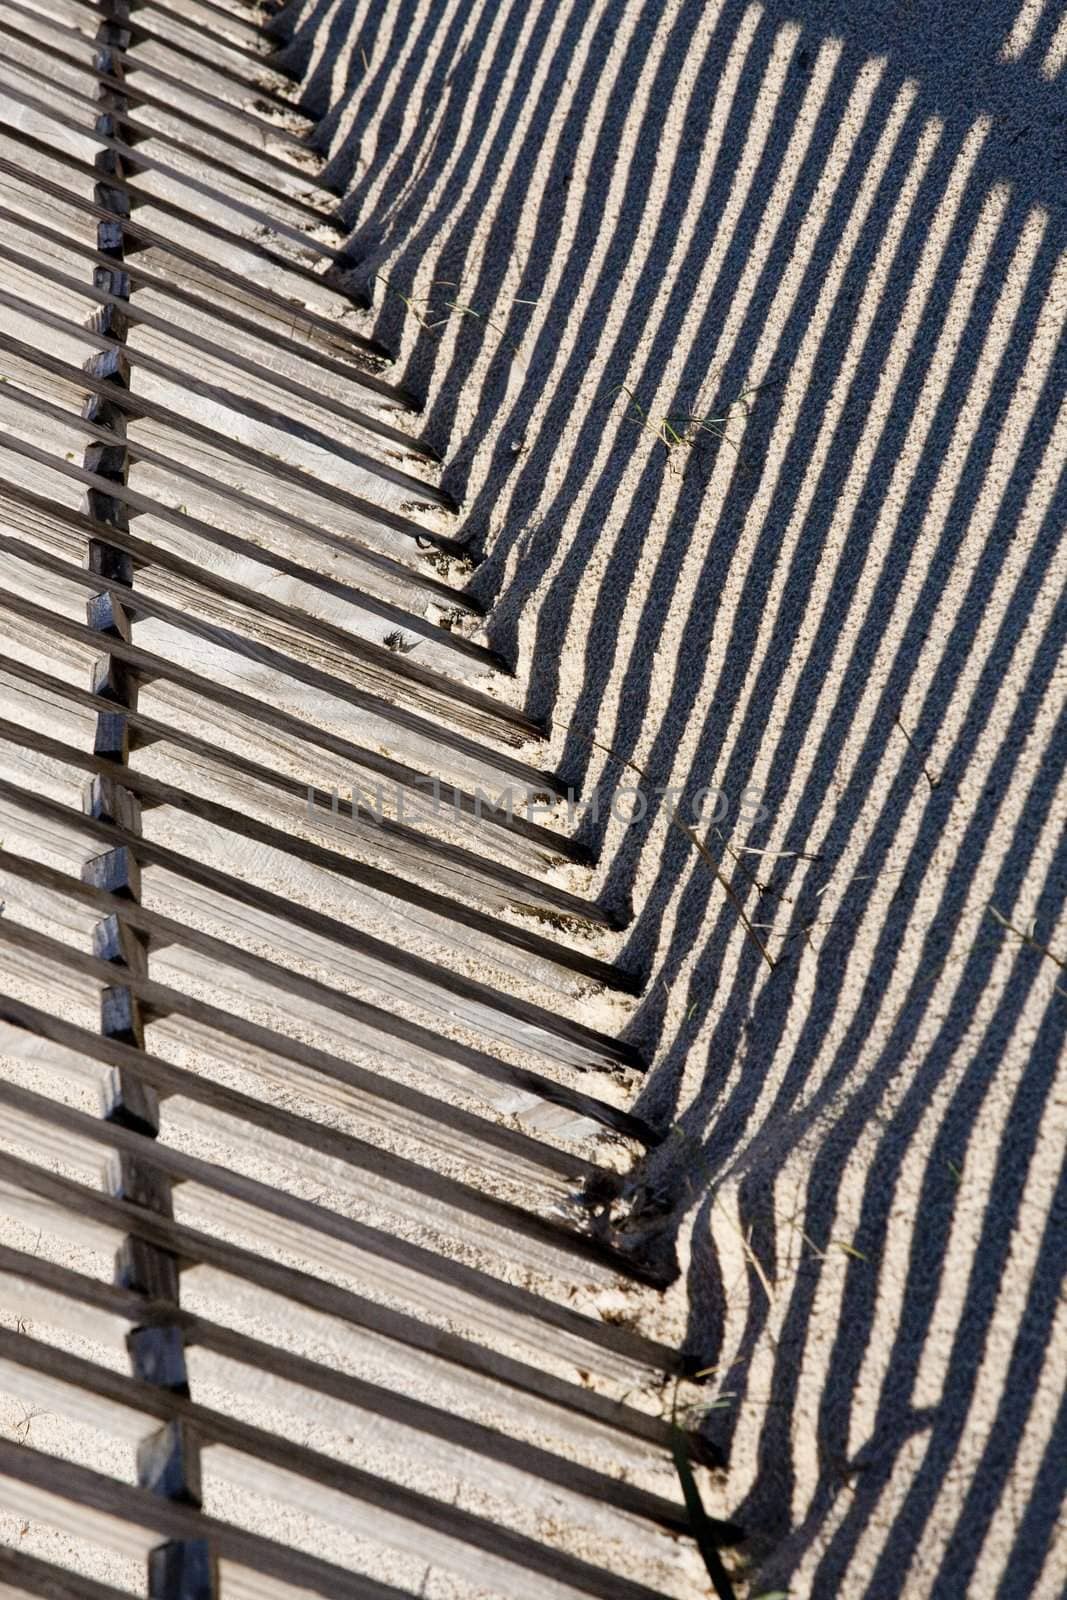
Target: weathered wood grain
x=136, y=129
x=343, y=1070
x=338, y=334
x=471, y=1064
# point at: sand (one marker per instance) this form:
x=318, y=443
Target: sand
x=840, y=229
x=739, y=329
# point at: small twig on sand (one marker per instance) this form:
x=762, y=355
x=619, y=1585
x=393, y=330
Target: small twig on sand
x=779, y=855
x=429, y=324
x=21, y=1430
x=751, y=1257
x=1030, y=938
x=685, y=428
x=757, y=883
x=930, y=777
x=698, y=845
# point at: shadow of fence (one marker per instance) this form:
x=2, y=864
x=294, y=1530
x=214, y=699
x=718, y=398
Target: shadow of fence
x=852, y=604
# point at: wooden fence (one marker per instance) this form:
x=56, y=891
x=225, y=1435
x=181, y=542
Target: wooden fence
x=366, y=1329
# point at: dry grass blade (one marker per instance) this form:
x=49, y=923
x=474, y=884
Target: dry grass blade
x=700, y=1524
x=1028, y=936
x=686, y=427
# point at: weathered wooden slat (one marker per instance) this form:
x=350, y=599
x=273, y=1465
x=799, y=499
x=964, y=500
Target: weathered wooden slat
x=153, y=792
x=60, y=1297
x=134, y=162
x=167, y=1463
x=366, y=1198
x=553, y=1243
x=192, y=86
x=60, y=1285
x=426, y=736
x=358, y=598
x=369, y=831
x=136, y=129
x=594, y=1430
x=152, y=667
x=437, y=1289
x=493, y=1011
x=279, y=335
x=338, y=333
x=247, y=69
x=251, y=46
x=91, y=1507
x=242, y=244
x=216, y=128
x=221, y=22
x=385, y=1510
x=394, y=574
x=163, y=931
x=471, y=709
x=65, y=1203
x=388, y=674
x=246, y=19
x=137, y=316
x=373, y=511
x=399, y=1116
x=437, y=858
x=23, y=1574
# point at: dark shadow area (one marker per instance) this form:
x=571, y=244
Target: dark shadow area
x=944, y=226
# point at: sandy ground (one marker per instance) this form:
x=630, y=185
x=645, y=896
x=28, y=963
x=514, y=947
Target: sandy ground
x=840, y=229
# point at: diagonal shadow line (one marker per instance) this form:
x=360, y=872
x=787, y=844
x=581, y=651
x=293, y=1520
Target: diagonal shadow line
x=585, y=438
x=875, y=859
x=857, y=1308
x=953, y=54
x=869, y=1472
x=712, y=581
x=398, y=180
x=458, y=132
x=546, y=230
x=728, y=1133
x=295, y=54
x=733, y=1114
x=414, y=217
x=611, y=601
x=504, y=242
x=791, y=12
x=1034, y=1536
x=553, y=627
x=367, y=76
x=380, y=94
x=282, y=22
x=1048, y=25
x=404, y=190
x=551, y=228
x=949, y=1420
x=954, y=1028
x=883, y=33
x=794, y=732
x=553, y=222
x=1033, y=1343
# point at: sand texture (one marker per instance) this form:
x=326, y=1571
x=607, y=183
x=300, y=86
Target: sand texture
x=724, y=441
x=840, y=228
